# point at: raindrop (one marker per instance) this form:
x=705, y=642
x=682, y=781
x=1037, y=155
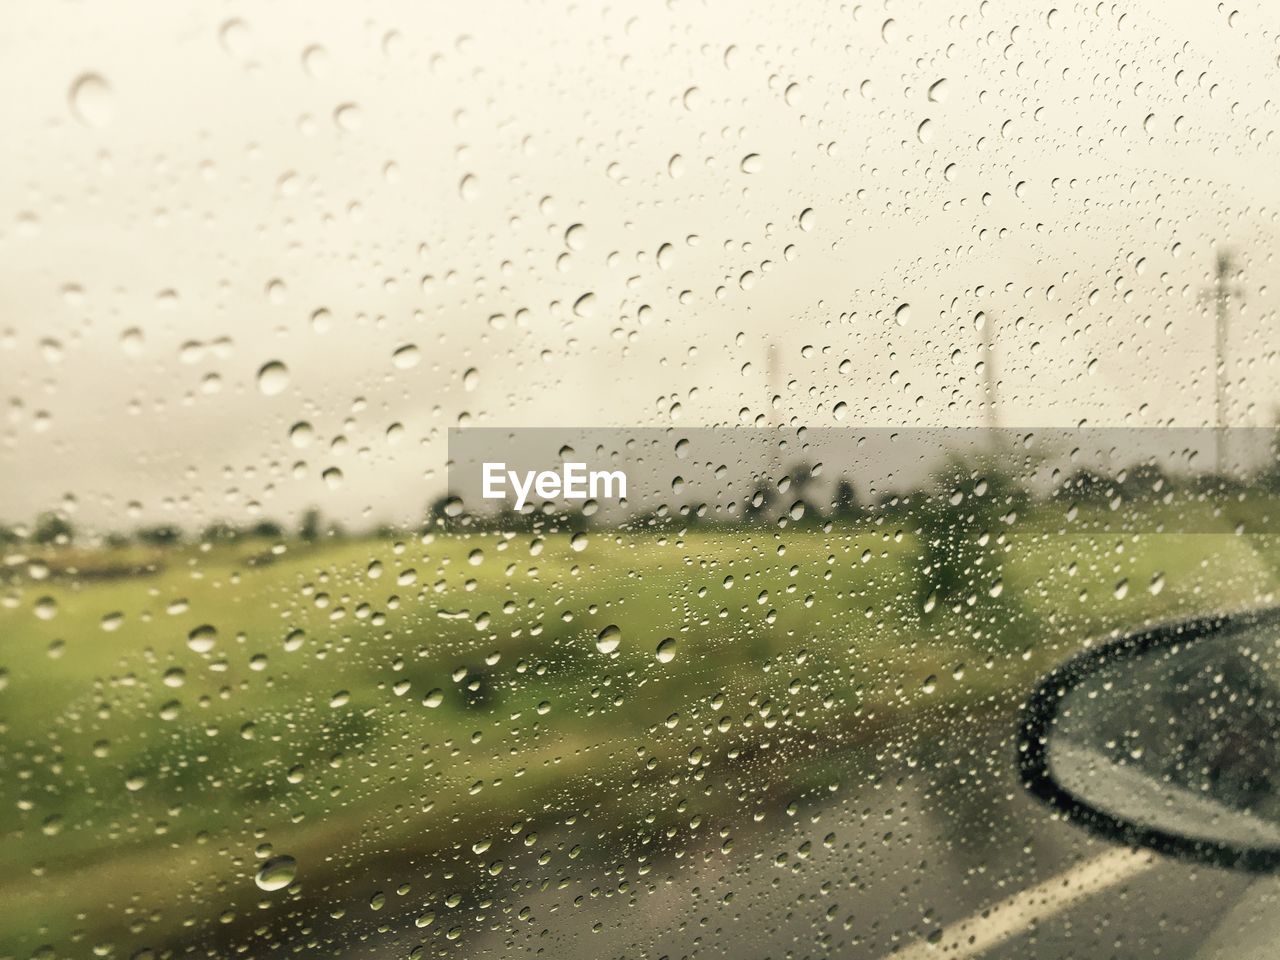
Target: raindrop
x=666, y=651
x=276, y=873
x=585, y=305
x=301, y=434
x=92, y=102
x=235, y=39
x=315, y=61
x=608, y=639
x=406, y=357
x=202, y=638
x=131, y=341
x=348, y=117
x=273, y=378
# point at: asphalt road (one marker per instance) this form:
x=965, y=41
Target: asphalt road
x=946, y=857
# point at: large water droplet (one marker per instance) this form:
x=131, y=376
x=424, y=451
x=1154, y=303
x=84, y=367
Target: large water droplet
x=202, y=638
x=608, y=639
x=585, y=305
x=406, y=357
x=276, y=873
x=273, y=378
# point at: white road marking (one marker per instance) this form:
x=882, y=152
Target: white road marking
x=995, y=924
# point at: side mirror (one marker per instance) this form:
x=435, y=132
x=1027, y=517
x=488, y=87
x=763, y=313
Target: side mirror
x=1168, y=738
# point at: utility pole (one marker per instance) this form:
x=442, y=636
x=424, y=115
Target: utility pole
x=772, y=373
x=1219, y=295
x=989, y=373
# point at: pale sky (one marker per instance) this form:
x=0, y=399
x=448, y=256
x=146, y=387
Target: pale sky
x=597, y=210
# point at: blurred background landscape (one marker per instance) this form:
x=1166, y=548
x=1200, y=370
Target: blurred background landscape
x=270, y=685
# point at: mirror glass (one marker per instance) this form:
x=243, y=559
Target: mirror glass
x=1170, y=738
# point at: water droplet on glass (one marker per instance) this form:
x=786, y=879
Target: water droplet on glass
x=131, y=341
x=276, y=873
x=236, y=39
x=608, y=639
x=92, y=101
x=585, y=305
x=406, y=357
x=273, y=378
x=300, y=434
x=666, y=651
x=315, y=61
x=348, y=117
x=202, y=638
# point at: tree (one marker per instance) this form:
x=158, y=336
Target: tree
x=267, y=530
x=759, y=502
x=161, y=535
x=802, y=477
x=961, y=535
x=51, y=528
x=309, y=526
x=219, y=531
x=845, y=505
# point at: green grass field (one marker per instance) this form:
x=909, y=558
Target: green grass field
x=422, y=724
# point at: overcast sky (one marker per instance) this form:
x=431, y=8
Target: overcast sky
x=437, y=215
